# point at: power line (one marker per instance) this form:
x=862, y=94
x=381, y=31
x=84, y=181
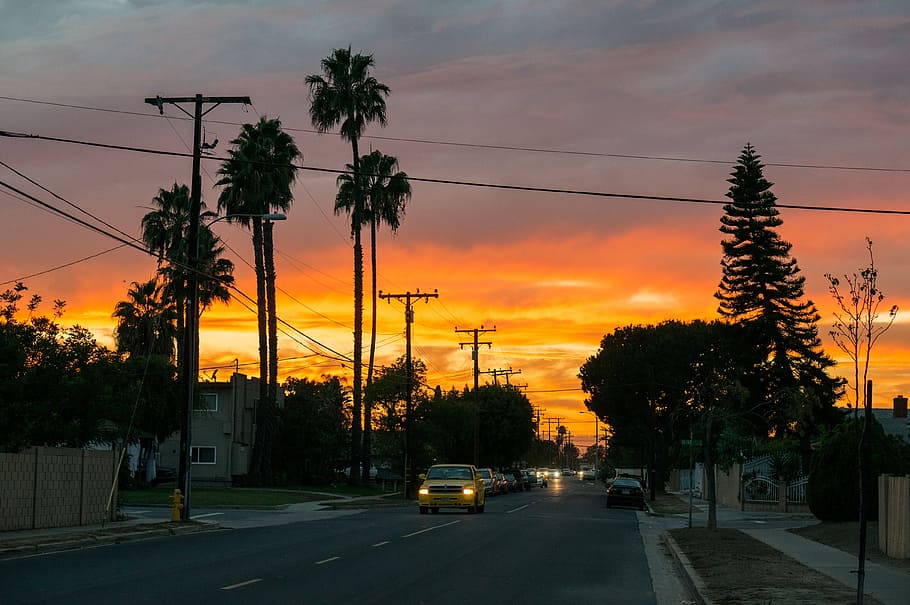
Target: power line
x=141, y=247
x=476, y=184
x=544, y=150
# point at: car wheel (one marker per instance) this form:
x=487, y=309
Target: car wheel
x=480, y=508
x=423, y=510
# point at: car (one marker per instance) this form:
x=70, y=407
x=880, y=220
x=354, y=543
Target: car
x=587, y=475
x=489, y=485
x=530, y=477
x=626, y=492
x=503, y=484
x=554, y=474
x=542, y=477
x=520, y=481
x=451, y=486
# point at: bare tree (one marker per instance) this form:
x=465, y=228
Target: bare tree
x=855, y=331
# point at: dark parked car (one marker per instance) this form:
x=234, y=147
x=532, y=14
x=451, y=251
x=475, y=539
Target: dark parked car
x=503, y=485
x=626, y=492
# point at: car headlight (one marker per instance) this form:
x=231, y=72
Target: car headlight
x=468, y=491
x=424, y=491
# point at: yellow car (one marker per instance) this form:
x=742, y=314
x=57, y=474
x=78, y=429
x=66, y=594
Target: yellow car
x=451, y=486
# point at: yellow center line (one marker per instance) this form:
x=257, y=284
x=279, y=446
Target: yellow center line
x=241, y=584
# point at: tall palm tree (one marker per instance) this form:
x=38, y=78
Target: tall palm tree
x=346, y=95
x=386, y=194
x=257, y=180
x=146, y=321
x=164, y=231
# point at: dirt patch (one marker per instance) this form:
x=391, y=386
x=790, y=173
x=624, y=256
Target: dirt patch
x=671, y=504
x=737, y=569
x=845, y=537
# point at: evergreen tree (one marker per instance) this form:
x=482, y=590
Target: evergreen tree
x=762, y=290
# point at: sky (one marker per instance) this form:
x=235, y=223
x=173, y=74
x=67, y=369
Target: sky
x=643, y=98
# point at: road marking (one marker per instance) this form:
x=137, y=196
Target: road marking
x=378, y=544
x=241, y=584
x=422, y=531
x=515, y=510
x=138, y=512
x=329, y=560
x=206, y=515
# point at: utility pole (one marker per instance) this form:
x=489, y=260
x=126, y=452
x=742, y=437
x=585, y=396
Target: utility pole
x=190, y=362
x=498, y=372
x=476, y=345
x=409, y=373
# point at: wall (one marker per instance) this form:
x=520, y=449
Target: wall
x=894, y=516
x=56, y=487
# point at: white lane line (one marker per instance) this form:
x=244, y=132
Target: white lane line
x=241, y=584
x=423, y=531
x=206, y=515
x=137, y=512
x=378, y=544
x=329, y=560
x=515, y=510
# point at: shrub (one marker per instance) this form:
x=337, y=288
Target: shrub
x=833, y=490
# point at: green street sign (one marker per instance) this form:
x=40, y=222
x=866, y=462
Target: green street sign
x=692, y=442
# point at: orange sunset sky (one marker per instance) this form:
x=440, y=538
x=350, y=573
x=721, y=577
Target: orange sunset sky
x=648, y=99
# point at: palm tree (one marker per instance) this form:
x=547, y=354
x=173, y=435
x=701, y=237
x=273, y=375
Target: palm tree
x=164, y=231
x=386, y=194
x=346, y=95
x=257, y=180
x=146, y=321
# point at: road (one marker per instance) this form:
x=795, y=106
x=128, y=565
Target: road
x=554, y=545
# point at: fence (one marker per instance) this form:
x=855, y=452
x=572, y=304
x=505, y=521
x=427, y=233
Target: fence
x=894, y=516
x=56, y=487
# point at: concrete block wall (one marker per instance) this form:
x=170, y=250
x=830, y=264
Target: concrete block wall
x=55, y=487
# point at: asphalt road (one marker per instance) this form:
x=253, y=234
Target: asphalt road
x=554, y=545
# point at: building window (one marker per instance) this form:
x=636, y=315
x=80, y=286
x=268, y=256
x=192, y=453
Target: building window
x=203, y=454
x=207, y=402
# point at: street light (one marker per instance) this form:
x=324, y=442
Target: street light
x=596, y=439
x=191, y=354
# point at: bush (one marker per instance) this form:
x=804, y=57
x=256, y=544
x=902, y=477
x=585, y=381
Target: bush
x=833, y=490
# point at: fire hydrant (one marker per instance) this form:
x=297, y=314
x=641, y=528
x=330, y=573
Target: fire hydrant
x=176, y=505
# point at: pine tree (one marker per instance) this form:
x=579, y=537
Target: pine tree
x=762, y=289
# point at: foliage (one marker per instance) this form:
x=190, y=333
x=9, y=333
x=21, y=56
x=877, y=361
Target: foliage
x=146, y=321
x=506, y=423
x=854, y=330
x=347, y=95
x=650, y=384
x=386, y=192
x=311, y=443
x=834, y=472
x=59, y=387
x=762, y=290
x=257, y=180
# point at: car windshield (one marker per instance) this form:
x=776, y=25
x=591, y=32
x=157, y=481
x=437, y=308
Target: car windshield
x=449, y=472
x=484, y=473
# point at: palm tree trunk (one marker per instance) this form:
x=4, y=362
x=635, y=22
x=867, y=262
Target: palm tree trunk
x=367, y=404
x=358, y=321
x=271, y=310
x=262, y=409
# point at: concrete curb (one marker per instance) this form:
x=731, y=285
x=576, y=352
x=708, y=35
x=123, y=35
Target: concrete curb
x=99, y=538
x=688, y=574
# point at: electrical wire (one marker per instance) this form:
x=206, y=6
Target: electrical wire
x=544, y=150
x=476, y=184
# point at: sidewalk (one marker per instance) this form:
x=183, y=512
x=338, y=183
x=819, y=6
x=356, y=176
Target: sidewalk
x=888, y=585
x=32, y=541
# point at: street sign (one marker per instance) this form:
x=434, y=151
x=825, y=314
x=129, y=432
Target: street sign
x=692, y=442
